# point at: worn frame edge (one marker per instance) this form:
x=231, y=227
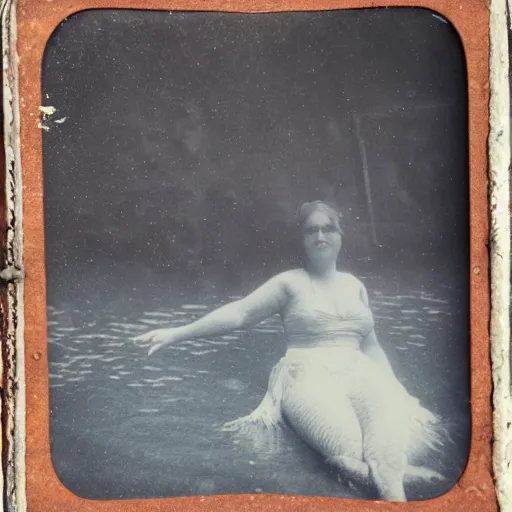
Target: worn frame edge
x=14, y=498
x=499, y=238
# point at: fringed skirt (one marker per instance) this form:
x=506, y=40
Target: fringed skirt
x=333, y=398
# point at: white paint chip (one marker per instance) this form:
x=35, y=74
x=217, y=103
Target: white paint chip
x=42, y=126
x=47, y=111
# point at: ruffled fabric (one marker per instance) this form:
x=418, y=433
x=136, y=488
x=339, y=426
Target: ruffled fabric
x=263, y=426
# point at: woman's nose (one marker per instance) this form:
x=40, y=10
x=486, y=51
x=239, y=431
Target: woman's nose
x=320, y=235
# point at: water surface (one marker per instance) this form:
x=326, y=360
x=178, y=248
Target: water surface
x=125, y=425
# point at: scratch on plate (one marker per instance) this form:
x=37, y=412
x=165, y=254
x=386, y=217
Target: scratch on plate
x=440, y=18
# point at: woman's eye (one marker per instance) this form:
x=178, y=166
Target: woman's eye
x=324, y=229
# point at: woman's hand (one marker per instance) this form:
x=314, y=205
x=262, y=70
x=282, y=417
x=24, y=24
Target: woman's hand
x=157, y=339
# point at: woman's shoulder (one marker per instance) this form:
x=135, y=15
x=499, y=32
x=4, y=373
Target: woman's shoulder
x=292, y=275
x=292, y=278
x=351, y=279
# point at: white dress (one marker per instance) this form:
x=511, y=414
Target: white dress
x=334, y=396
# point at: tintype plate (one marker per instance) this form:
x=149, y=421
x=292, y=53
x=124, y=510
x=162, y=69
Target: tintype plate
x=249, y=250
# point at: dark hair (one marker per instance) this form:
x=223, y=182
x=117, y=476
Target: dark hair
x=306, y=209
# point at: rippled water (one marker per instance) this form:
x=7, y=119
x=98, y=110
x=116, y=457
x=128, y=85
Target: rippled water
x=126, y=425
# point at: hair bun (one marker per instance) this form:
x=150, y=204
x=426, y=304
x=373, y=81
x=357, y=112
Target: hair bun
x=307, y=208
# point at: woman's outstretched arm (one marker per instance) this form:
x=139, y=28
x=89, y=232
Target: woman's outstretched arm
x=265, y=301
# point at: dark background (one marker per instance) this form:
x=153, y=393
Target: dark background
x=187, y=143
x=190, y=140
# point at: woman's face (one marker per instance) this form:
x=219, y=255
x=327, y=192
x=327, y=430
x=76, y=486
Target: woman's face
x=322, y=239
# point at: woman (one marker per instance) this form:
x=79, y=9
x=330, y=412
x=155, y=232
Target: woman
x=334, y=387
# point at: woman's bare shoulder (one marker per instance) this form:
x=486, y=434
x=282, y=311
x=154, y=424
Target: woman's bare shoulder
x=352, y=280
x=291, y=276
x=294, y=272
x=290, y=279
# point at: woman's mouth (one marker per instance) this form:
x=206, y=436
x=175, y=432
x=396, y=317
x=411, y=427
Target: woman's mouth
x=321, y=245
